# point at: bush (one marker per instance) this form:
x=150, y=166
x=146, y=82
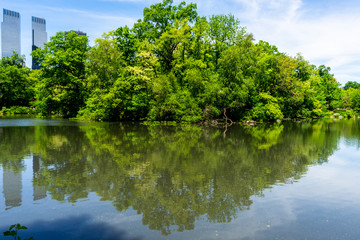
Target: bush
x=266, y=109
x=17, y=110
x=176, y=107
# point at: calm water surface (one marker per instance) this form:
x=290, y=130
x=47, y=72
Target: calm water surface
x=68, y=180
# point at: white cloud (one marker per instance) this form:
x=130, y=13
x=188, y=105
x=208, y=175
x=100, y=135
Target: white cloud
x=258, y=10
x=330, y=39
x=93, y=15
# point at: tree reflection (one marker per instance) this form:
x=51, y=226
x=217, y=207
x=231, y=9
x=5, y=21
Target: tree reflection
x=172, y=175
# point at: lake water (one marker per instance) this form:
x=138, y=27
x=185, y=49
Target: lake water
x=69, y=180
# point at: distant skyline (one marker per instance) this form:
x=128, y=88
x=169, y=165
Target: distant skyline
x=323, y=31
x=10, y=33
x=38, y=37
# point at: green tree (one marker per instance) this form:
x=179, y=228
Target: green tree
x=223, y=30
x=266, y=109
x=331, y=88
x=104, y=63
x=237, y=71
x=14, y=60
x=201, y=47
x=351, y=84
x=355, y=100
x=15, y=83
x=161, y=17
x=347, y=97
x=61, y=87
x=104, y=66
x=171, y=45
x=127, y=43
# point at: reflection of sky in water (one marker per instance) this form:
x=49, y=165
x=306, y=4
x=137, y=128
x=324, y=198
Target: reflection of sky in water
x=27, y=122
x=323, y=204
x=50, y=219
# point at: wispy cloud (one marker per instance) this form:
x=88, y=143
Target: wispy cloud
x=330, y=38
x=263, y=9
x=89, y=14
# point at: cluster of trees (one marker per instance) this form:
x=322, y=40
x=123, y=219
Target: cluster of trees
x=16, y=82
x=172, y=65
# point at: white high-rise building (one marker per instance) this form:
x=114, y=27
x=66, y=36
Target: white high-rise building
x=10, y=33
x=39, y=36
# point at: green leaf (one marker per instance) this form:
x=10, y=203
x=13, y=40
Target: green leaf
x=9, y=233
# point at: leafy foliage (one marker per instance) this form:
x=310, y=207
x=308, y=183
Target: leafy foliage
x=172, y=65
x=60, y=88
x=17, y=110
x=351, y=84
x=13, y=232
x=16, y=86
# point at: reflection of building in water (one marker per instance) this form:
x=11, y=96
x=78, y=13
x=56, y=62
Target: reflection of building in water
x=38, y=192
x=12, y=185
x=12, y=188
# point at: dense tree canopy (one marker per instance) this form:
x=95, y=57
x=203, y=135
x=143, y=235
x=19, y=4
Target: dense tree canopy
x=62, y=80
x=16, y=85
x=173, y=65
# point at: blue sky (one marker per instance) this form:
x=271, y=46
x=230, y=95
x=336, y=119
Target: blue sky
x=323, y=31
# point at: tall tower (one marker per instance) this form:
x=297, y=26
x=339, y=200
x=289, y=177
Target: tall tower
x=10, y=33
x=39, y=36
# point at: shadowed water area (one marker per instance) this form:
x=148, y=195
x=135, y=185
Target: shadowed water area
x=69, y=180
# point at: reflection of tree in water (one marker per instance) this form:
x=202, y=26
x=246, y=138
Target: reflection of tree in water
x=175, y=175
x=14, y=145
x=63, y=156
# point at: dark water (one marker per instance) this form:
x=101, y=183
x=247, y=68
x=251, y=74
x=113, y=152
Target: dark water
x=68, y=180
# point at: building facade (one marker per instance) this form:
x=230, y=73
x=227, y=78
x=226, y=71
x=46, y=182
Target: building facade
x=10, y=33
x=78, y=32
x=39, y=36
